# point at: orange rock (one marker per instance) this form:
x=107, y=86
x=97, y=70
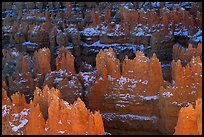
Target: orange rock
x=96, y=17
x=185, y=88
x=42, y=61
x=44, y=98
x=68, y=8
x=47, y=25
x=108, y=64
x=185, y=57
x=107, y=15
x=190, y=120
x=65, y=61
x=62, y=118
x=61, y=114
x=144, y=68
x=36, y=122
x=16, y=115
x=24, y=65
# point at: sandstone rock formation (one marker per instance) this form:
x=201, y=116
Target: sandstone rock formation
x=65, y=60
x=96, y=17
x=42, y=61
x=185, y=55
x=62, y=118
x=108, y=64
x=131, y=91
x=190, y=120
x=185, y=88
x=14, y=114
x=68, y=84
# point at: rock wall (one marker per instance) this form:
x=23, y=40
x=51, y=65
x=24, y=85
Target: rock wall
x=190, y=120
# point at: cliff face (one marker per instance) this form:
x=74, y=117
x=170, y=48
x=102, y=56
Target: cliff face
x=185, y=55
x=190, y=120
x=62, y=117
x=185, y=88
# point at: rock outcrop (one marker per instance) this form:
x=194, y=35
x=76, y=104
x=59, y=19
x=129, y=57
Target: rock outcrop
x=42, y=61
x=186, y=54
x=190, y=120
x=68, y=84
x=108, y=64
x=62, y=118
x=65, y=61
x=185, y=88
x=128, y=99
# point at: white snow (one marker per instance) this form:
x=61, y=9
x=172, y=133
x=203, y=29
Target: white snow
x=91, y=32
x=110, y=116
x=60, y=122
x=23, y=123
x=6, y=109
x=58, y=80
x=62, y=132
x=181, y=104
x=166, y=65
x=167, y=94
x=150, y=97
x=15, y=54
x=27, y=43
x=145, y=82
x=141, y=47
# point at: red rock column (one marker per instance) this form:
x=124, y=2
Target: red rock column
x=36, y=122
x=190, y=120
x=65, y=61
x=42, y=61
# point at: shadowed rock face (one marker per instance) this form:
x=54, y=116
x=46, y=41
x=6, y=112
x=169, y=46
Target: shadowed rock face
x=186, y=54
x=22, y=118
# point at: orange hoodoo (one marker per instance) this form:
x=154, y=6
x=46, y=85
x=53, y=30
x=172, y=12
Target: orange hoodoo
x=65, y=61
x=190, y=120
x=108, y=64
x=42, y=61
x=62, y=117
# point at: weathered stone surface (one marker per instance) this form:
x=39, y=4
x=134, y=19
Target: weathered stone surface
x=21, y=118
x=42, y=61
x=65, y=61
x=185, y=88
x=185, y=55
x=190, y=120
